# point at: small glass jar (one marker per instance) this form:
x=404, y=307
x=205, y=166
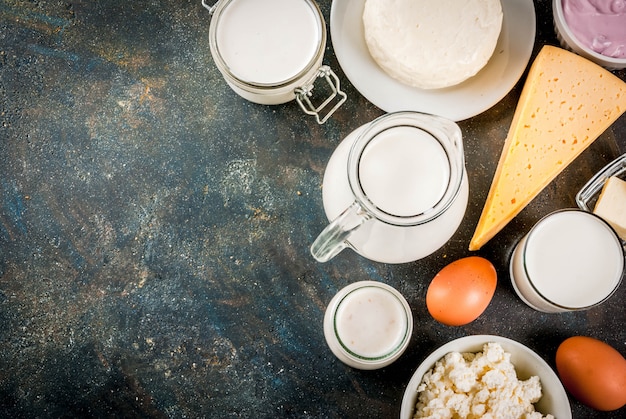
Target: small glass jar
x=368, y=325
x=270, y=52
x=570, y=260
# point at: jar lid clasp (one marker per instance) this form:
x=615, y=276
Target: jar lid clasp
x=304, y=93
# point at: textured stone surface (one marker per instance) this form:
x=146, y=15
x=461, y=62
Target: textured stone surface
x=155, y=229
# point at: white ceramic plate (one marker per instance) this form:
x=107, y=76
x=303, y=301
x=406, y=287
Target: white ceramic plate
x=527, y=363
x=459, y=102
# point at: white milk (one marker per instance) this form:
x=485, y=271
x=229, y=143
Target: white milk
x=404, y=171
x=570, y=260
x=371, y=322
x=269, y=41
x=384, y=242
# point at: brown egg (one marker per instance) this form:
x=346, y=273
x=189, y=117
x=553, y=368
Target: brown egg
x=461, y=291
x=593, y=372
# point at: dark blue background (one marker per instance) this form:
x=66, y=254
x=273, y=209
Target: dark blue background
x=155, y=229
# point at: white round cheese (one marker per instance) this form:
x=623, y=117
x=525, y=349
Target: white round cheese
x=432, y=44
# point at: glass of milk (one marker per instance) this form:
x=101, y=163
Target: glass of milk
x=270, y=52
x=570, y=260
x=368, y=325
x=396, y=189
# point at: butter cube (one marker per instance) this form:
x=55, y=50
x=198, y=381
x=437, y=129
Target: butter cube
x=611, y=205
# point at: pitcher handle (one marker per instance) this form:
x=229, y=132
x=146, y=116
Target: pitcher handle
x=333, y=239
x=211, y=9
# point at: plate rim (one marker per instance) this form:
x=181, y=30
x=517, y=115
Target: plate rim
x=518, y=36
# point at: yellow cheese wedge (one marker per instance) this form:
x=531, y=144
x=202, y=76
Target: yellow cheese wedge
x=611, y=205
x=566, y=103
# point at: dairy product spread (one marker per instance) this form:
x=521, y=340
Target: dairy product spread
x=599, y=25
x=432, y=44
x=482, y=385
x=566, y=103
x=611, y=205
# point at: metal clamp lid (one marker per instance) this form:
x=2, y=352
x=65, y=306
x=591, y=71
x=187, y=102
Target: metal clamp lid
x=304, y=93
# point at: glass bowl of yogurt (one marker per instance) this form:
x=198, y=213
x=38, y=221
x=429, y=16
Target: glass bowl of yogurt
x=594, y=29
x=446, y=371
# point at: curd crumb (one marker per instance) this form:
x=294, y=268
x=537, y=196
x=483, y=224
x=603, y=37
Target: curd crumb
x=481, y=385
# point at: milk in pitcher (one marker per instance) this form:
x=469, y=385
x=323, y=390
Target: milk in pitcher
x=404, y=171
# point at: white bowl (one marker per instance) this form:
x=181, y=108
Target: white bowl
x=568, y=41
x=527, y=363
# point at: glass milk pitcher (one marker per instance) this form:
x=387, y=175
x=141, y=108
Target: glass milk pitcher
x=396, y=189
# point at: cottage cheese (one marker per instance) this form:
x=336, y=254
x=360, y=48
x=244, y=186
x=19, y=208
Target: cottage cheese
x=481, y=385
x=432, y=44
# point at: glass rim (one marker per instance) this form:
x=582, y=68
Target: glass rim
x=406, y=332
x=446, y=132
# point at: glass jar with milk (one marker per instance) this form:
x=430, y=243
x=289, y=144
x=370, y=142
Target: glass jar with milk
x=368, y=325
x=570, y=260
x=270, y=52
x=396, y=189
